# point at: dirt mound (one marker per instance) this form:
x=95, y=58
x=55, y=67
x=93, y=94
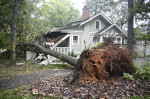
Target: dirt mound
x=104, y=62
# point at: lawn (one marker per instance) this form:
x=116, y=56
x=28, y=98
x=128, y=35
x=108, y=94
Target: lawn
x=26, y=68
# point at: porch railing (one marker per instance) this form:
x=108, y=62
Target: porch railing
x=64, y=50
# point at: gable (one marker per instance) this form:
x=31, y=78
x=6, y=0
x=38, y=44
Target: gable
x=111, y=29
x=102, y=16
x=92, y=24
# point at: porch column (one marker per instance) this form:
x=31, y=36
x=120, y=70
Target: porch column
x=70, y=42
x=121, y=41
x=101, y=38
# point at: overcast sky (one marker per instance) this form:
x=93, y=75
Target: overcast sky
x=79, y=4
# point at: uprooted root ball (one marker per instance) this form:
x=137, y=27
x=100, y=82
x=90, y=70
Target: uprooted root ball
x=101, y=64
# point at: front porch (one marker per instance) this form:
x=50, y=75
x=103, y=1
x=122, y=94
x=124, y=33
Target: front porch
x=64, y=50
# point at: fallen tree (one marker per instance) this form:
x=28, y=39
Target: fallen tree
x=70, y=60
x=101, y=63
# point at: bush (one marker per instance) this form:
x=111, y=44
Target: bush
x=72, y=54
x=98, y=44
x=143, y=72
x=128, y=76
x=5, y=55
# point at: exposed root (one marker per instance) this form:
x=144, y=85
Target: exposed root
x=104, y=62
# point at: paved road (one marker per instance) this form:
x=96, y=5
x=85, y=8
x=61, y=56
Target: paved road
x=21, y=80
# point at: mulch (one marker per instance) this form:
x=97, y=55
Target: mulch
x=121, y=89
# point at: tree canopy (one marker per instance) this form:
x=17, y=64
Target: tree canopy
x=59, y=12
x=117, y=11
x=34, y=17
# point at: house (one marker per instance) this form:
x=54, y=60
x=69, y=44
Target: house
x=86, y=32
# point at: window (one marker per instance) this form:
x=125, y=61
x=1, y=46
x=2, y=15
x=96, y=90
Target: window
x=97, y=24
x=75, y=40
x=119, y=40
x=96, y=40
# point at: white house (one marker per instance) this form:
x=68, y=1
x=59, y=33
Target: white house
x=88, y=31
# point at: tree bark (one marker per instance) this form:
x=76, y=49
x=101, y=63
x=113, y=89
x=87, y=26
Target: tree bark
x=130, y=25
x=70, y=60
x=13, y=34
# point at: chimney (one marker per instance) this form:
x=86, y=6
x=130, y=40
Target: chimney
x=85, y=13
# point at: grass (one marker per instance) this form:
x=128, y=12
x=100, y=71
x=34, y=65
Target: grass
x=19, y=93
x=23, y=93
x=26, y=68
x=141, y=97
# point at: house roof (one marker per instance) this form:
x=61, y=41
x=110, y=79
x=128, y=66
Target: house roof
x=54, y=36
x=109, y=27
x=82, y=22
x=100, y=14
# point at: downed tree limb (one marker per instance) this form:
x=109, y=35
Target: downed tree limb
x=68, y=59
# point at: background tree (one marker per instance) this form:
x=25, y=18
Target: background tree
x=139, y=35
x=142, y=15
x=59, y=12
x=130, y=25
x=13, y=33
x=116, y=11
x=5, y=23
x=33, y=19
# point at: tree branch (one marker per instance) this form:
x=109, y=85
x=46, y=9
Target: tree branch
x=4, y=3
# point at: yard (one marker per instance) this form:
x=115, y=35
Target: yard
x=53, y=86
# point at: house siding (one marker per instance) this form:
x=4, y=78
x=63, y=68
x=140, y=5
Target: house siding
x=86, y=36
x=76, y=48
x=86, y=32
x=92, y=28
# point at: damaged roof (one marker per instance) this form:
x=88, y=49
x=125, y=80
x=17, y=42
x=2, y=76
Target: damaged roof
x=54, y=36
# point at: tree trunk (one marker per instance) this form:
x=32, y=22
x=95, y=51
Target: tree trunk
x=70, y=60
x=13, y=34
x=130, y=25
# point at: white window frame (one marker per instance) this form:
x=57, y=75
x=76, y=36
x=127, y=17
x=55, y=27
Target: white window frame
x=96, y=39
x=120, y=40
x=73, y=40
x=93, y=41
x=99, y=24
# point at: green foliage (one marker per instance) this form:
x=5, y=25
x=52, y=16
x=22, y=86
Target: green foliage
x=141, y=11
x=72, y=54
x=5, y=55
x=143, y=72
x=33, y=19
x=116, y=11
x=141, y=36
x=29, y=24
x=141, y=97
x=98, y=44
x=127, y=76
x=19, y=93
x=4, y=40
x=59, y=12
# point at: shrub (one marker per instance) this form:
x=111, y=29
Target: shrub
x=72, y=54
x=128, y=76
x=143, y=72
x=98, y=44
